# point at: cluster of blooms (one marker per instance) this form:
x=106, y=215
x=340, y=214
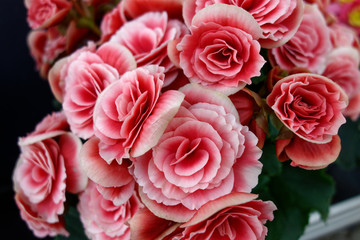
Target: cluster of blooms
x=162, y=125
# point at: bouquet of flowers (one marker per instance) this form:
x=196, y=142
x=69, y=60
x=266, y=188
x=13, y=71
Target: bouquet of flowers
x=189, y=119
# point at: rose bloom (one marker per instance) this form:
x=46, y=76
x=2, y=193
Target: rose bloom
x=149, y=46
x=310, y=45
x=47, y=167
x=278, y=19
x=101, y=218
x=234, y=216
x=87, y=73
x=310, y=105
x=45, y=46
x=131, y=113
x=204, y=153
x=222, y=52
x=46, y=13
x=344, y=36
x=343, y=68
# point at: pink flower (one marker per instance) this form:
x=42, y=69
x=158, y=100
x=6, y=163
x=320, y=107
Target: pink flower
x=222, y=52
x=278, y=19
x=309, y=47
x=309, y=105
x=308, y=155
x=46, y=13
x=204, y=153
x=149, y=46
x=102, y=219
x=234, y=216
x=87, y=74
x=130, y=114
x=45, y=46
x=39, y=226
x=47, y=167
x=112, y=21
x=343, y=68
x=343, y=36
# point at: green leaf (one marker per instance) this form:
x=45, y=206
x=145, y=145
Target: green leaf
x=289, y=224
x=296, y=193
x=349, y=157
x=73, y=226
x=271, y=164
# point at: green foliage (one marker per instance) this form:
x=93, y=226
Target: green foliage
x=350, y=141
x=73, y=226
x=295, y=191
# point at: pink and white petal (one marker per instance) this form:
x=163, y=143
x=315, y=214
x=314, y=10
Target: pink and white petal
x=117, y=56
x=57, y=84
x=173, y=52
x=228, y=15
x=70, y=147
x=176, y=213
x=311, y=155
x=218, y=204
x=194, y=93
x=145, y=225
x=165, y=109
x=118, y=195
x=96, y=168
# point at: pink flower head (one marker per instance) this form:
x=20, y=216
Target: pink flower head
x=343, y=68
x=46, y=13
x=278, y=19
x=309, y=47
x=102, y=219
x=233, y=216
x=347, y=12
x=47, y=167
x=87, y=74
x=309, y=105
x=149, y=46
x=344, y=36
x=222, y=52
x=204, y=153
x=130, y=114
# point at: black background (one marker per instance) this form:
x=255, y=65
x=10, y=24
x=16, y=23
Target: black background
x=26, y=99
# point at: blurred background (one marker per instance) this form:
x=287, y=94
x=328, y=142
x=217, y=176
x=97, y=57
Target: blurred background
x=26, y=99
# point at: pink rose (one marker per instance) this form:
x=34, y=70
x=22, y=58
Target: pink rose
x=204, y=153
x=45, y=46
x=102, y=219
x=131, y=114
x=46, y=13
x=309, y=47
x=87, y=74
x=308, y=155
x=309, y=105
x=149, y=46
x=222, y=52
x=343, y=36
x=112, y=21
x=47, y=167
x=234, y=216
x=278, y=19
x=343, y=68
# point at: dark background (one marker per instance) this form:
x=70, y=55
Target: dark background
x=26, y=99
